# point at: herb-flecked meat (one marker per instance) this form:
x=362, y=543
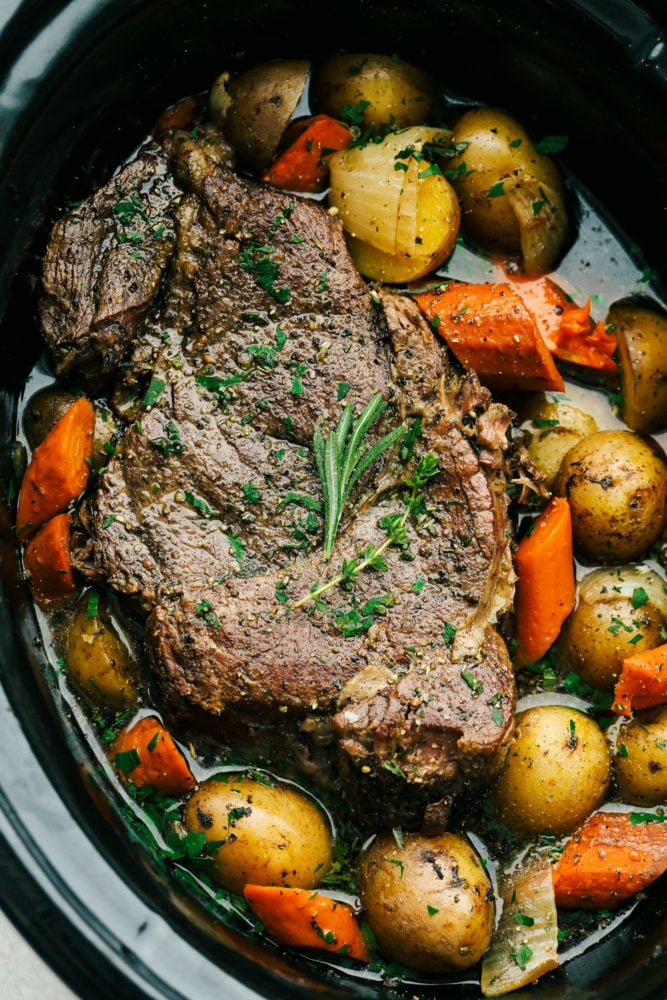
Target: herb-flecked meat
x=209, y=517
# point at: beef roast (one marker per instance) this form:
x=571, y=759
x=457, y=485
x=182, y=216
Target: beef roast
x=255, y=329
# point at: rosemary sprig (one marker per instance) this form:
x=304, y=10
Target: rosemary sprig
x=342, y=457
x=372, y=556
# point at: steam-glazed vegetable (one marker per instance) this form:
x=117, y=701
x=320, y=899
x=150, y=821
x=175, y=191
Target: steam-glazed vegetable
x=262, y=100
x=618, y=612
x=100, y=661
x=378, y=89
x=268, y=833
x=511, y=192
x=641, y=329
x=428, y=900
x=617, y=488
x=556, y=427
x=640, y=764
x=557, y=771
x=402, y=218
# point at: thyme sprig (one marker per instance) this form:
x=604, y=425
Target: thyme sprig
x=395, y=526
x=343, y=456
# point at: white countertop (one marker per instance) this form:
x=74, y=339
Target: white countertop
x=23, y=974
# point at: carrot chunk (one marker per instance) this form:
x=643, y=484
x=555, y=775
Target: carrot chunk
x=146, y=754
x=545, y=588
x=489, y=329
x=58, y=471
x=48, y=562
x=608, y=859
x=642, y=682
x=301, y=918
x=302, y=165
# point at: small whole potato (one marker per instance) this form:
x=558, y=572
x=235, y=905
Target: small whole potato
x=100, y=660
x=616, y=485
x=268, y=832
x=557, y=771
x=43, y=411
x=619, y=612
x=428, y=901
x=385, y=90
x=640, y=764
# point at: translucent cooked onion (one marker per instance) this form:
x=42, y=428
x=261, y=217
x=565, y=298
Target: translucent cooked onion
x=525, y=943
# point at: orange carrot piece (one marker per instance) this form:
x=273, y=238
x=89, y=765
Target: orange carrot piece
x=489, y=329
x=146, y=754
x=610, y=858
x=642, y=682
x=48, y=562
x=301, y=918
x=567, y=329
x=58, y=471
x=302, y=166
x=545, y=588
x=181, y=115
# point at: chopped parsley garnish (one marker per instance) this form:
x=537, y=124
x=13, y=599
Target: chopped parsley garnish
x=154, y=391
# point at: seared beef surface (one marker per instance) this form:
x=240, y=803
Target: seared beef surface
x=250, y=326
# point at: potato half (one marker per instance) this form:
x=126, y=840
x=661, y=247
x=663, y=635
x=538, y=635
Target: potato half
x=400, y=214
x=642, y=358
x=512, y=196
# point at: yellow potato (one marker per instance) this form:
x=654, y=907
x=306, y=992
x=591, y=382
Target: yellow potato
x=270, y=833
x=610, y=622
x=512, y=197
x=556, y=426
x=642, y=357
x=429, y=902
x=100, y=661
x=640, y=763
x=557, y=771
x=617, y=489
x=393, y=92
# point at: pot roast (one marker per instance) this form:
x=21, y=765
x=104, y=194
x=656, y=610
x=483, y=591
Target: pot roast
x=233, y=324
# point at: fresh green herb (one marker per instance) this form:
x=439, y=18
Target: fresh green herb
x=204, y=610
x=127, y=761
x=154, y=742
x=108, y=520
x=449, y=632
x=522, y=956
x=639, y=597
x=622, y=750
x=153, y=392
x=251, y=493
x=394, y=768
x=343, y=389
x=551, y=144
x=342, y=457
x=473, y=682
x=418, y=586
x=515, y=143
x=256, y=257
x=497, y=190
x=297, y=387
x=647, y=818
x=524, y=920
x=432, y=910
x=200, y=505
x=172, y=444
x=236, y=546
x=93, y=604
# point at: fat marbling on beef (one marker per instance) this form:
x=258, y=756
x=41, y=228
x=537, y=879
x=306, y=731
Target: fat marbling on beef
x=237, y=323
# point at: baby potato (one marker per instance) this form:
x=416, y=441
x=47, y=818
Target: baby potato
x=616, y=485
x=512, y=197
x=270, y=833
x=255, y=107
x=100, y=661
x=44, y=409
x=396, y=92
x=558, y=427
x=640, y=764
x=429, y=901
x=557, y=771
x=642, y=359
x=618, y=612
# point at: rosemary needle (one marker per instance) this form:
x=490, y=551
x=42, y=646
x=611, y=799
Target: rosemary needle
x=343, y=456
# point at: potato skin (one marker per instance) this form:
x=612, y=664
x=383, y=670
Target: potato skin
x=429, y=903
x=262, y=100
x=100, y=662
x=44, y=409
x=272, y=834
x=605, y=627
x=566, y=426
x=503, y=190
x=640, y=764
x=617, y=488
x=397, y=92
x=642, y=361
x=557, y=771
